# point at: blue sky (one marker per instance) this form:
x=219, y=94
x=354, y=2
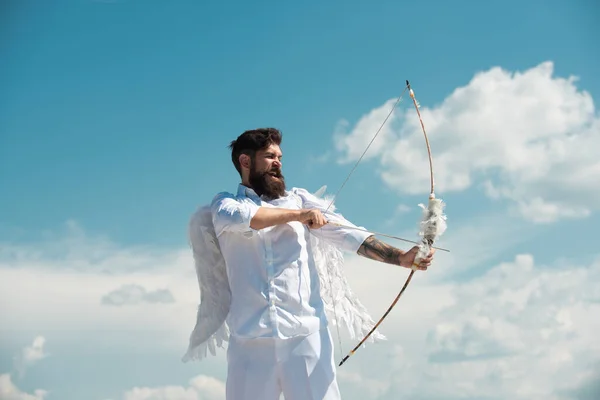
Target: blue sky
x=115, y=117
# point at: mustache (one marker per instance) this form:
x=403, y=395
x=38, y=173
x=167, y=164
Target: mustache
x=275, y=172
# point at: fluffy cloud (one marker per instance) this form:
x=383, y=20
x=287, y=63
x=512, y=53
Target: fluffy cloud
x=527, y=137
x=9, y=391
x=136, y=294
x=30, y=355
x=74, y=250
x=200, y=388
x=519, y=331
x=54, y=286
x=508, y=333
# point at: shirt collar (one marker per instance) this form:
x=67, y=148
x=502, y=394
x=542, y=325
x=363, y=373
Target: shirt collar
x=245, y=191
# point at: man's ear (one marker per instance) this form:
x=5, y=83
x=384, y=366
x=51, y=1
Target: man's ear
x=245, y=161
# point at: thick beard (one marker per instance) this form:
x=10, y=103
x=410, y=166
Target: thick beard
x=265, y=184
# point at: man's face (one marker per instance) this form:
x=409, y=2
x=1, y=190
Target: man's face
x=265, y=172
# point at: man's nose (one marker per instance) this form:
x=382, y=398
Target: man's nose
x=277, y=163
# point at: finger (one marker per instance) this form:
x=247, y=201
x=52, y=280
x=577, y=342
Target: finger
x=420, y=267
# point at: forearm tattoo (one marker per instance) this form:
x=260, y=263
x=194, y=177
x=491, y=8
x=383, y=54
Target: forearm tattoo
x=377, y=250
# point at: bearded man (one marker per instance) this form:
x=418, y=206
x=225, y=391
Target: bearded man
x=279, y=340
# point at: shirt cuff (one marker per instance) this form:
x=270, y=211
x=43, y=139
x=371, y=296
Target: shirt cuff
x=354, y=239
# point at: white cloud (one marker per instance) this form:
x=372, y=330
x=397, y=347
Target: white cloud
x=372, y=388
x=447, y=340
x=132, y=294
x=9, y=391
x=39, y=283
x=55, y=284
x=352, y=146
x=30, y=355
x=74, y=250
x=532, y=327
x=200, y=387
x=53, y=308
x=519, y=331
x=528, y=137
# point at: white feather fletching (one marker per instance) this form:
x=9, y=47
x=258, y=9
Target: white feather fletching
x=432, y=225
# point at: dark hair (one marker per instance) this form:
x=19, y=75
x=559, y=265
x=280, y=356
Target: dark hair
x=252, y=141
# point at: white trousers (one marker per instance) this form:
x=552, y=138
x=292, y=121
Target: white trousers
x=301, y=368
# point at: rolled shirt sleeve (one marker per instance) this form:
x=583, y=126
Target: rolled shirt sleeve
x=231, y=214
x=345, y=238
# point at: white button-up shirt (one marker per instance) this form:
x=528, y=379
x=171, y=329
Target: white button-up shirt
x=274, y=284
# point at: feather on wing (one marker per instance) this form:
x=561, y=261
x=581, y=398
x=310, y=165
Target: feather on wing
x=335, y=289
x=211, y=328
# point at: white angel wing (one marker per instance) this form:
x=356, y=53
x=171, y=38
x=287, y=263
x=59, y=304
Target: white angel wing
x=215, y=296
x=335, y=289
x=319, y=193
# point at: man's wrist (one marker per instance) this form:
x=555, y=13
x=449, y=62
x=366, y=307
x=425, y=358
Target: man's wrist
x=294, y=215
x=400, y=258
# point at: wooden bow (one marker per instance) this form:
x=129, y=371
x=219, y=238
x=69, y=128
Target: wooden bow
x=433, y=222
